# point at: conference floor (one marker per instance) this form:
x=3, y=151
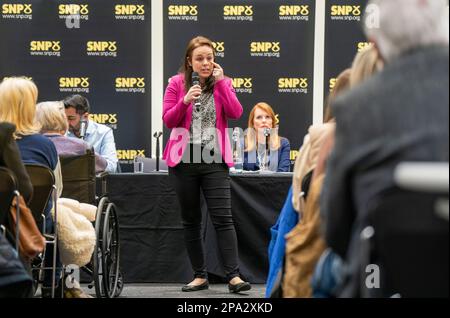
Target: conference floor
x=174, y=291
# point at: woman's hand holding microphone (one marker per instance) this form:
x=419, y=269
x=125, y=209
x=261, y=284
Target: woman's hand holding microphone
x=195, y=91
x=193, y=94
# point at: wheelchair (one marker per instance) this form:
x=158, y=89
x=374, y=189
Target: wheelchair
x=103, y=268
x=80, y=183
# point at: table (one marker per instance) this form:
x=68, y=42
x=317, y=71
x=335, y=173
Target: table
x=151, y=232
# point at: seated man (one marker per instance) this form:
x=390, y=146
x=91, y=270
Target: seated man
x=398, y=115
x=98, y=136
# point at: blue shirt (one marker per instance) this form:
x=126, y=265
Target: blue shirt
x=101, y=138
x=279, y=161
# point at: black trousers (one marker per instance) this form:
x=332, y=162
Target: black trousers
x=214, y=180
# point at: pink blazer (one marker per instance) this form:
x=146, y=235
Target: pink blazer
x=178, y=116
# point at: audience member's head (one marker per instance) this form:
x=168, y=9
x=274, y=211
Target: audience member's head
x=51, y=117
x=399, y=26
x=365, y=64
x=80, y=103
x=342, y=84
x=18, y=96
x=77, y=109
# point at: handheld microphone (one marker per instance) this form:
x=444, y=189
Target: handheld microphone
x=83, y=127
x=196, y=81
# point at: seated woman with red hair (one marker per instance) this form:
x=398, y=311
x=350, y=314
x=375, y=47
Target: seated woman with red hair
x=262, y=137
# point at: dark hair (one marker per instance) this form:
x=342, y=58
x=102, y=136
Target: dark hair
x=80, y=103
x=186, y=69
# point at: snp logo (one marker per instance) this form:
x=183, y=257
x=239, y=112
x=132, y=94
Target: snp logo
x=294, y=12
x=266, y=49
x=73, y=13
x=237, y=10
x=238, y=13
x=332, y=83
x=346, y=12
x=17, y=11
x=186, y=13
x=219, y=47
x=293, y=85
x=363, y=45
x=102, y=48
x=74, y=84
x=130, y=154
x=294, y=154
x=130, y=12
x=243, y=85
x=54, y=46
x=70, y=9
x=130, y=85
x=45, y=48
x=109, y=120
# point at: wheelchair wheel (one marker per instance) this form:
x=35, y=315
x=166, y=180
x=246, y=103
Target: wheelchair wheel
x=110, y=251
x=97, y=270
x=107, y=278
x=120, y=284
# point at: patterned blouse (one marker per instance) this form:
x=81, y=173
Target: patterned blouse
x=203, y=125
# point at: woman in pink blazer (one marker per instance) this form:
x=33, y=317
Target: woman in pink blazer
x=197, y=105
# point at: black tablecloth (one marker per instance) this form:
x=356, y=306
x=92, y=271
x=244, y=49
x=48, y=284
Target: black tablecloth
x=151, y=232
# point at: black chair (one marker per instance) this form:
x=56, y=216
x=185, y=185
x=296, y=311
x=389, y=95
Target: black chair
x=79, y=177
x=8, y=191
x=43, y=182
x=44, y=192
x=79, y=183
x=409, y=242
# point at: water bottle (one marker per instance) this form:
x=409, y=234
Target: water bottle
x=138, y=165
x=237, y=152
x=238, y=166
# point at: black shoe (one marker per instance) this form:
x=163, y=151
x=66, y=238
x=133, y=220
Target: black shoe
x=191, y=288
x=237, y=288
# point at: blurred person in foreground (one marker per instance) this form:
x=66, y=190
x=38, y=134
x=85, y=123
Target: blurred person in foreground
x=400, y=114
